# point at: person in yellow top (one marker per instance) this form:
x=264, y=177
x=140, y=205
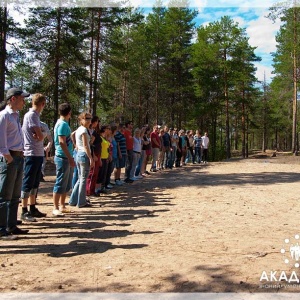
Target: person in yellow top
x=105, y=144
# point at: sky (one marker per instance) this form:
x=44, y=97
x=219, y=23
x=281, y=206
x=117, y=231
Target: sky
x=260, y=30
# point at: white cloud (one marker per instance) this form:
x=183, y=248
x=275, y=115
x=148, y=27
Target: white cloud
x=262, y=32
x=264, y=72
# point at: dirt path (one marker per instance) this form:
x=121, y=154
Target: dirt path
x=208, y=228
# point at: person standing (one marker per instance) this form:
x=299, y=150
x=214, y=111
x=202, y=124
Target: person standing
x=34, y=156
x=84, y=160
x=205, y=144
x=198, y=147
x=11, y=163
x=63, y=159
x=129, y=146
x=155, y=146
x=122, y=153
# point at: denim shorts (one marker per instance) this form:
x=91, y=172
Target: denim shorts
x=32, y=175
x=120, y=162
x=64, y=174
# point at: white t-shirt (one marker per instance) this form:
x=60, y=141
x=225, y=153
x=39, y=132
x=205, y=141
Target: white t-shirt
x=205, y=142
x=79, y=138
x=137, y=144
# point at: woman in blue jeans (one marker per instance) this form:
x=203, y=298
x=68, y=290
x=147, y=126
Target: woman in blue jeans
x=84, y=161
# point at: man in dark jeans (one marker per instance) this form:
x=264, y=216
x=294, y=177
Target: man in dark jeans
x=129, y=146
x=166, y=148
x=11, y=163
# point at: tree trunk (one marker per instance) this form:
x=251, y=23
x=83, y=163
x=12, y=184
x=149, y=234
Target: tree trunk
x=57, y=61
x=228, y=152
x=91, y=98
x=97, y=59
x=3, y=32
x=294, y=131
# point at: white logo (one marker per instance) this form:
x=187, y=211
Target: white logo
x=291, y=251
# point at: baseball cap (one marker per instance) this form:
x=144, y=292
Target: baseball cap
x=16, y=92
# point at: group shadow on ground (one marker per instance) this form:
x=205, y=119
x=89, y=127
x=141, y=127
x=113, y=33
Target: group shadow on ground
x=212, y=279
x=148, y=198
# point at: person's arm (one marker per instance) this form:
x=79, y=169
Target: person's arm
x=3, y=140
x=73, y=139
x=37, y=133
x=87, y=148
x=154, y=140
x=63, y=144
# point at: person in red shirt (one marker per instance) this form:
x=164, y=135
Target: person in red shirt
x=155, y=144
x=129, y=146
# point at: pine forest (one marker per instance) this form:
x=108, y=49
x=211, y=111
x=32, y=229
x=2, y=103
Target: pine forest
x=157, y=68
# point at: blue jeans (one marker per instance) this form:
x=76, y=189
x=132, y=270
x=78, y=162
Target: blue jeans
x=129, y=161
x=75, y=171
x=78, y=196
x=64, y=174
x=197, y=154
x=10, y=191
x=167, y=157
x=32, y=175
x=173, y=156
x=135, y=161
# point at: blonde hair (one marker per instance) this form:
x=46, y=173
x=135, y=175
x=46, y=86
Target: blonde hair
x=38, y=99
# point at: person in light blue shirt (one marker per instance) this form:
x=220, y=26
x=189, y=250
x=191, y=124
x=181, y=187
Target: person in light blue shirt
x=11, y=163
x=63, y=160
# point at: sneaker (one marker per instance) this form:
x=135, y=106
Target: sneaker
x=66, y=210
x=8, y=237
x=133, y=178
x=27, y=217
x=153, y=170
x=139, y=177
x=127, y=180
x=148, y=173
x=109, y=186
x=112, y=183
x=119, y=182
x=17, y=230
x=103, y=191
x=38, y=214
x=86, y=205
x=57, y=213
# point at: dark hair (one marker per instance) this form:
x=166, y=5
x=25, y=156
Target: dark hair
x=102, y=128
x=64, y=109
x=127, y=123
x=95, y=119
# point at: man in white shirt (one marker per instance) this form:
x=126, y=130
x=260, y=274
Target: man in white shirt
x=205, y=144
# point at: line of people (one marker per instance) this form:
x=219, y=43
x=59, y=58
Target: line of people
x=85, y=159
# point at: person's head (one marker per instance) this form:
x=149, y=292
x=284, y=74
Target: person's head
x=137, y=132
x=121, y=127
x=105, y=130
x=38, y=101
x=147, y=131
x=65, y=110
x=166, y=128
x=129, y=125
x=15, y=98
x=114, y=129
x=197, y=132
x=205, y=133
x=95, y=122
x=85, y=119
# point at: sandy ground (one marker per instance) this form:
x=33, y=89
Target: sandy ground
x=199, y=228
